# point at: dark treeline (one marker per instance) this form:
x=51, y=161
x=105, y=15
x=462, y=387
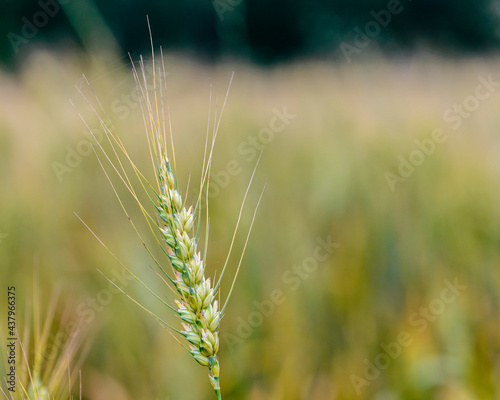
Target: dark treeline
x=262, y=30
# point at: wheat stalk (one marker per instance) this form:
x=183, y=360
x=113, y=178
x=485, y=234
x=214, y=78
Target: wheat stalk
x=174, y=222
x=51, y=357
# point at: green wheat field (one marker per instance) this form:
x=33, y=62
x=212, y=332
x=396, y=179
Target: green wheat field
x=371, y=271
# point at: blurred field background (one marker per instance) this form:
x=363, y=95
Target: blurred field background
x=326, y=172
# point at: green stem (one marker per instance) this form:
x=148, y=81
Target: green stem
x=214, y=375
x=216, y=384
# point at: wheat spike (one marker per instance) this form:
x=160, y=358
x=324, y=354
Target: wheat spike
x=197, y=306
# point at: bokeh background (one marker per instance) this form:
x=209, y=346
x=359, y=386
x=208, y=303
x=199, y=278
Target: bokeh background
x=388, y=148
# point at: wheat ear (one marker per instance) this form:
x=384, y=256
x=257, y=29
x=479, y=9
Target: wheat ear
x=197, y=306
x=196, y=303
